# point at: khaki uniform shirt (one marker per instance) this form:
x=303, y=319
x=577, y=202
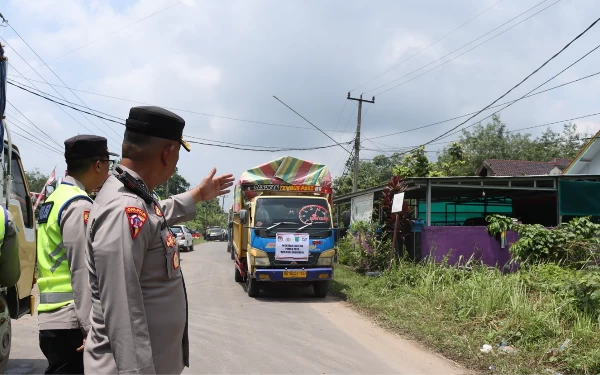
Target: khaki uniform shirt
x=139, y=302
x=72, y=228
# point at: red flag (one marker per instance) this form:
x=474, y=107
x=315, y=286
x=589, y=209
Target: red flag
x=43, y=192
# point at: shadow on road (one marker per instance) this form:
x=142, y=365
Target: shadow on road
x=26, y=366
x=282, y=293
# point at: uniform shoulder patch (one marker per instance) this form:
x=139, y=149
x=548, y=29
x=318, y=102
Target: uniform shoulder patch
x=137, y=217
x=157, y=210
x=45, y=210
x=86, y=216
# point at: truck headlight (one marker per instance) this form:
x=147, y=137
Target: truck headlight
x=262, y=262
x=325, y=261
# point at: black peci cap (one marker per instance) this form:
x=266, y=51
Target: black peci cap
x=157, y=122
x=86, y=146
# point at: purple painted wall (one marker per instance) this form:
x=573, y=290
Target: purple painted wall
x=465, y=242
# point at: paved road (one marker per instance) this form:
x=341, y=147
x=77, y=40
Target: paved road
x=286, y=331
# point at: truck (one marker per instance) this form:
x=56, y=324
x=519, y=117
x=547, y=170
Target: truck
x=17, y=300
x=281, y=226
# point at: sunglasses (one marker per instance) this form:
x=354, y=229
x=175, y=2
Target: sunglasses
x=111, y=163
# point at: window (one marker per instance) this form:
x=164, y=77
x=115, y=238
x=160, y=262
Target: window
x=176, y=230
x=19, y=192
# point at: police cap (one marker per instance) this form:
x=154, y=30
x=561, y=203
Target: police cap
x=86, y=146
x=156, y=122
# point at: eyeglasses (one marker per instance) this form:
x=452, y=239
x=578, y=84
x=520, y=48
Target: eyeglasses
x=110, y=163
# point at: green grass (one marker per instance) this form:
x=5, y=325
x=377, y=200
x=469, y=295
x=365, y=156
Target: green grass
x=198, y=241
x=456, y=311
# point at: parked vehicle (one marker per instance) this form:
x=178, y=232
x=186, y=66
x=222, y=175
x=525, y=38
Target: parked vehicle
x=195, y=234
x=15, y=300
x=184, y=237
x=282, y=231
x=207, y=230
x=215, y=234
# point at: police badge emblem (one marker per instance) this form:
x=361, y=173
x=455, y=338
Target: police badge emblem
x=176, y=260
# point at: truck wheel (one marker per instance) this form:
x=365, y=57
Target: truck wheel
x=5, y=334
x=232, y=253
x=238, y=276
x=252, y=286
x=321, y=288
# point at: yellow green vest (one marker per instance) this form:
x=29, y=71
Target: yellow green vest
x=55, y=282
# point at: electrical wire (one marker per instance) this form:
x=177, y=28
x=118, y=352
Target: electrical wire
x=456, y=50
x=61, y=80
x=430, y=45
x=525, y=79
x=246, y=147
x=32, y=123
x=179, y=109
x=46, y=145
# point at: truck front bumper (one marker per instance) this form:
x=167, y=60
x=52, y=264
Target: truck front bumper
x=294, y=274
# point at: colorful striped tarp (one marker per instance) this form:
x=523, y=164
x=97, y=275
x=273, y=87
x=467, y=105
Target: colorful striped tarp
x=283, y=171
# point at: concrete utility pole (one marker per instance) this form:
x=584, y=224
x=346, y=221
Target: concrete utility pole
x=357, y=139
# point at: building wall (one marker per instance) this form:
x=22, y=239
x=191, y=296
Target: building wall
x=465, y=242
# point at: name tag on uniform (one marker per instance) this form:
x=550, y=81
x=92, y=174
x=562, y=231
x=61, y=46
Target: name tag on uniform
x=45, y=210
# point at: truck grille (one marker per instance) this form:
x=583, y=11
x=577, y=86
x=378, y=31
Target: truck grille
x=312, y=261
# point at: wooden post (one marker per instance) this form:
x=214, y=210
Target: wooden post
x=394, y=242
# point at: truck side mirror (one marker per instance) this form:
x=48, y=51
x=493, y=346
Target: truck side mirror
x=47, y=191
x=243, y=216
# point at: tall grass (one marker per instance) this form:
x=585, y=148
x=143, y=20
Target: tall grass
x=457, y=310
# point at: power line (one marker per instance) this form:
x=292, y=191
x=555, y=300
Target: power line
x=247, y=147
x=430, y=45
x=33, y=142
x=494, y=106
x=181, y=110
x=105, y=36
x=551, y=78
x=32, y=123
x=266, y=150
x=316, y=127
x=467, y=51
x=525, y=79
x=45, y=145
x=60, y=79
x=412, y=148
x=62, y=109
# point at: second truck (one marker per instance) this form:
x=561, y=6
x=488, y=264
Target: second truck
x=281, y=227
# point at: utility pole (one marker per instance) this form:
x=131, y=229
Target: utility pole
x=357, y=139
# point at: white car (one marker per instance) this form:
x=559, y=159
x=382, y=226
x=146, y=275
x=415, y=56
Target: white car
x=184, y=237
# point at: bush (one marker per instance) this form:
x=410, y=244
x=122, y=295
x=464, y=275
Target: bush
x=365, y=247
x=573, y=244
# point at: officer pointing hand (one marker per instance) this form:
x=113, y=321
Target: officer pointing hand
x=139, y=303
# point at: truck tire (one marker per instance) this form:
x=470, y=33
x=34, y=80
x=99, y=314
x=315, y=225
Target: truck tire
x=252, y=287
x=238, y=276
x=5, y=334
x=321, y=288
x=232, y=253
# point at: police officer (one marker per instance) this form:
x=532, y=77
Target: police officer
x=10, y=268
x=65, y=301
x=139, y=302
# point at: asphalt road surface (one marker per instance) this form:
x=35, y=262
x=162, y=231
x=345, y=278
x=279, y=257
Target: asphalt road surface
x=286, y=331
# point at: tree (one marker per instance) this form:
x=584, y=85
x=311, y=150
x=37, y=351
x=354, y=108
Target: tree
x=494, y=141
x=371, y=173
x=36, y=180
x=414, y=164
x=208, y=213
x=177, y=184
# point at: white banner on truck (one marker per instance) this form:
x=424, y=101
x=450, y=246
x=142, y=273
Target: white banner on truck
x=292, y=247
x=362, y=208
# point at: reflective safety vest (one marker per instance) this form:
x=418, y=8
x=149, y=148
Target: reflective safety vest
x=55, y=282
x=3, y=225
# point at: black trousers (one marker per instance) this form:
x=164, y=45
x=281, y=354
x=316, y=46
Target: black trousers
x=60, y=348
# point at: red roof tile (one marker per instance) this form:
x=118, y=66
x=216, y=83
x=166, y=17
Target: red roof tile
x=499, y=167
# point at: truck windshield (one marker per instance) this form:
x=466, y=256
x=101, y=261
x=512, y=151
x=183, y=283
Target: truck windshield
x=290, y=214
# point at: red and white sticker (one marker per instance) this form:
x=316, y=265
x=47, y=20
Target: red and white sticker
x=170, y=240
x=137, y=217
x=176, y=259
